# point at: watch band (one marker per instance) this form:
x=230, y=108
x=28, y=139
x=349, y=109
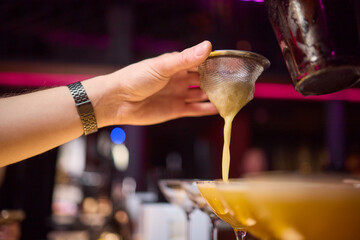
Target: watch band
x=84, y=107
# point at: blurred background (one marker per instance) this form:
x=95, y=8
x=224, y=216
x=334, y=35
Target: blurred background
x=52, y=43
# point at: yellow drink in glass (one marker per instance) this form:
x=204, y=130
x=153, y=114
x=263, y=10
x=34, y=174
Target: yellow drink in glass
x=307, y=210
x=235, y=196
x=211, y=195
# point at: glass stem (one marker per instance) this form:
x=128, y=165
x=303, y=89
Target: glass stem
x=214, y=229
x=240, y=234
x=188, y=225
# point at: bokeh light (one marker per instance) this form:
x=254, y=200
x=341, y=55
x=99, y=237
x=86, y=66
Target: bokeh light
x=120, y=154
x=118, y=135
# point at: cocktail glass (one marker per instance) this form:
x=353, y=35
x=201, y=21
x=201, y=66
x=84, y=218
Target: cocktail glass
x=212, y=197
x=234, y=195
x=306, y=208
x=175, y=193
x=200, y=203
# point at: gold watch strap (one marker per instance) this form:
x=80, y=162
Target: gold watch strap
x=84, y=107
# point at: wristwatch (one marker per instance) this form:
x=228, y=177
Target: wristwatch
x=84, y=107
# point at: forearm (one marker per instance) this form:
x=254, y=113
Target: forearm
x=36, y=122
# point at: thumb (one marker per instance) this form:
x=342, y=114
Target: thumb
x=169, y=64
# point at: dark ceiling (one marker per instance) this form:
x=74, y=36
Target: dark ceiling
x=120, y=32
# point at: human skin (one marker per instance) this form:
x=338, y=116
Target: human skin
x=148, y=92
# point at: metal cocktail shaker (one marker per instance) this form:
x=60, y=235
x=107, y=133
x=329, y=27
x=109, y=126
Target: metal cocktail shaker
x=320, y=43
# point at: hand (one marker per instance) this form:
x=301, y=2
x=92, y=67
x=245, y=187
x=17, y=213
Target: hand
x=154, y=90
x=151, y=91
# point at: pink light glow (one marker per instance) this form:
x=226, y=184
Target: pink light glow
x=252, y=1
x=287, y=91
x=39, y=79
x=259, y=1
x=262, y=90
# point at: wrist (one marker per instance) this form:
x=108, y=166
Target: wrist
x=106, y=100
x=95, y=89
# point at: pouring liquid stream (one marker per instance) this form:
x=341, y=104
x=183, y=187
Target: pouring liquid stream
x=229, y=98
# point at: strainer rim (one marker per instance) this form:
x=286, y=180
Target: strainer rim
x=241, y=54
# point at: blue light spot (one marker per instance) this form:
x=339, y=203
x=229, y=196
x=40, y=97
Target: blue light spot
x=117, y=135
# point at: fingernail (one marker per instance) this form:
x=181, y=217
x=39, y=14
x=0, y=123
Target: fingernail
x=201, y=48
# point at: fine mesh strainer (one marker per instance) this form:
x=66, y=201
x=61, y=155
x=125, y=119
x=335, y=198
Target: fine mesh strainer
x=228, y=78
x=231, y=66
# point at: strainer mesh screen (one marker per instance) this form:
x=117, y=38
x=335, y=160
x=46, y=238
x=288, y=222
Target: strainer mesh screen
x=221, y=70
